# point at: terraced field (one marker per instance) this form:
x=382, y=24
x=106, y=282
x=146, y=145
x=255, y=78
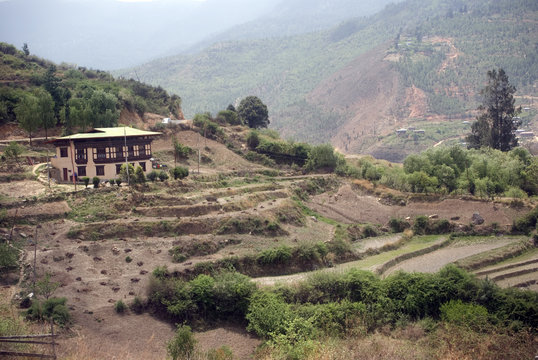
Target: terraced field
x=102, y=244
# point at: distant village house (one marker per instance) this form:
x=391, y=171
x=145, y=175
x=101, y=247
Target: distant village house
x=101, y=153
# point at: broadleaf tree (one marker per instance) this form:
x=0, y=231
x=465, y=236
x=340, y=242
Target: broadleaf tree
x=253, y=112
x=46, y=109
x=496, y=125
x=27, y=112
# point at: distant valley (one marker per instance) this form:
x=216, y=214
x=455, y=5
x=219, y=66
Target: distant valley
x=415, y=64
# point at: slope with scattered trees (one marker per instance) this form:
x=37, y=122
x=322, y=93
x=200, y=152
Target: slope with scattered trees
x=41, y=95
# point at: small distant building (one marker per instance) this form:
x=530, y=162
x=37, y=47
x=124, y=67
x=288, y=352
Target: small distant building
x=101, y=153
x=527, y=134
x=168, y=121
x=401, y=132
x=466, y=122
x=420, y=131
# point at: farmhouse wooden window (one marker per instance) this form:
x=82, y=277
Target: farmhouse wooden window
x=100, y=153
x=143, y=166
x=63, y=152
x=81, y=171
x=100, y=170
x=118, y=168
x=80, y=156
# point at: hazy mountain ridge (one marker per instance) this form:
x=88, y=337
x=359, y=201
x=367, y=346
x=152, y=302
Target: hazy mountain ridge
x=444, y=51
x=107, y=34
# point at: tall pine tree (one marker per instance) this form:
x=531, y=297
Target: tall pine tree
x=497, y=124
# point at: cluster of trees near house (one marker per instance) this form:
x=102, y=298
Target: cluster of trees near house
x=41, y=95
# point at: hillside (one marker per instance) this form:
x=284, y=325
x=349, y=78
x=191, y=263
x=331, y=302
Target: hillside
x=426, y=62
x=203, y=250
x=78, y=91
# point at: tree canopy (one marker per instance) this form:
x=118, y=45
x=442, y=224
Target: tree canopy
x=253, y=112
x=496, y=126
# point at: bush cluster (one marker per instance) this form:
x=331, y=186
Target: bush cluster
x=223, y=296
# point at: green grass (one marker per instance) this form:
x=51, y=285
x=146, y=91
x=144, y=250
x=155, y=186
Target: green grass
x=528, y=255
x=416, y=243
x=97, y=206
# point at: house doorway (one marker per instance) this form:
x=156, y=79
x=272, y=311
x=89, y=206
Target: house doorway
x=65, y=174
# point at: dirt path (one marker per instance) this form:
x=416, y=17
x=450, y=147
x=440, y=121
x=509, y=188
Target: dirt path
x=434, y=261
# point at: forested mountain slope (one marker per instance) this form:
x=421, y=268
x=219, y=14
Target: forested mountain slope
x=426, y=60
x=80, y=97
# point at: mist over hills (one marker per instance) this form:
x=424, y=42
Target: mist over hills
x=418, y=64
x=112, y=34
x=108, y=34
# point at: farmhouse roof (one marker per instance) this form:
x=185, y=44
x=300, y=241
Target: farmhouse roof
x=110, y=132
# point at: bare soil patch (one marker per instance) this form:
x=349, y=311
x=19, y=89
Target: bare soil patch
x=349, y=206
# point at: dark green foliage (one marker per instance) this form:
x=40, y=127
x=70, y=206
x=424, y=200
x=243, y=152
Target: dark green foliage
x=179, y=172
x=253, y=112
x=96, y=182
x=229, y=117
x=527, y=223
x=54, y=308
x=139, y=176
x=180, y=151
x=424, y=225
x=208, y=128
x=137, y=305
x=120, y=307
x=496, y=126
x=153, y=175
x=9, y=257
x=369, y=231
x=398, y=225
x=163, y=176
x=275, y=256
x=322, y=157
x=253, y=140
x=86, y=181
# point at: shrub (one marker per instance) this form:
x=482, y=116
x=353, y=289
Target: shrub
x=279, y=255
x=421, y=224
x=160, y=272
x=398, y=225
x=369, y=231
x=140, y=176
x=86, y=181
x=127, y=173
x=96, y=182
x=118, y=182
x=8, y=258
x=232, y=292
x=267, y=314
x=137, y=305
x=153, y=175
x=120, y=307
x=128, y=259
x=182, y=344
x=177, y=254
x=163, y=176
x=474, y=317
x=322, y=157
x=54, y=308
x=180, y=172
x=253, y=140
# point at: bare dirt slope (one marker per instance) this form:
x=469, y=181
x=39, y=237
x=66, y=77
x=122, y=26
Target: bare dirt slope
x=364, y=93
x=350, y=206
